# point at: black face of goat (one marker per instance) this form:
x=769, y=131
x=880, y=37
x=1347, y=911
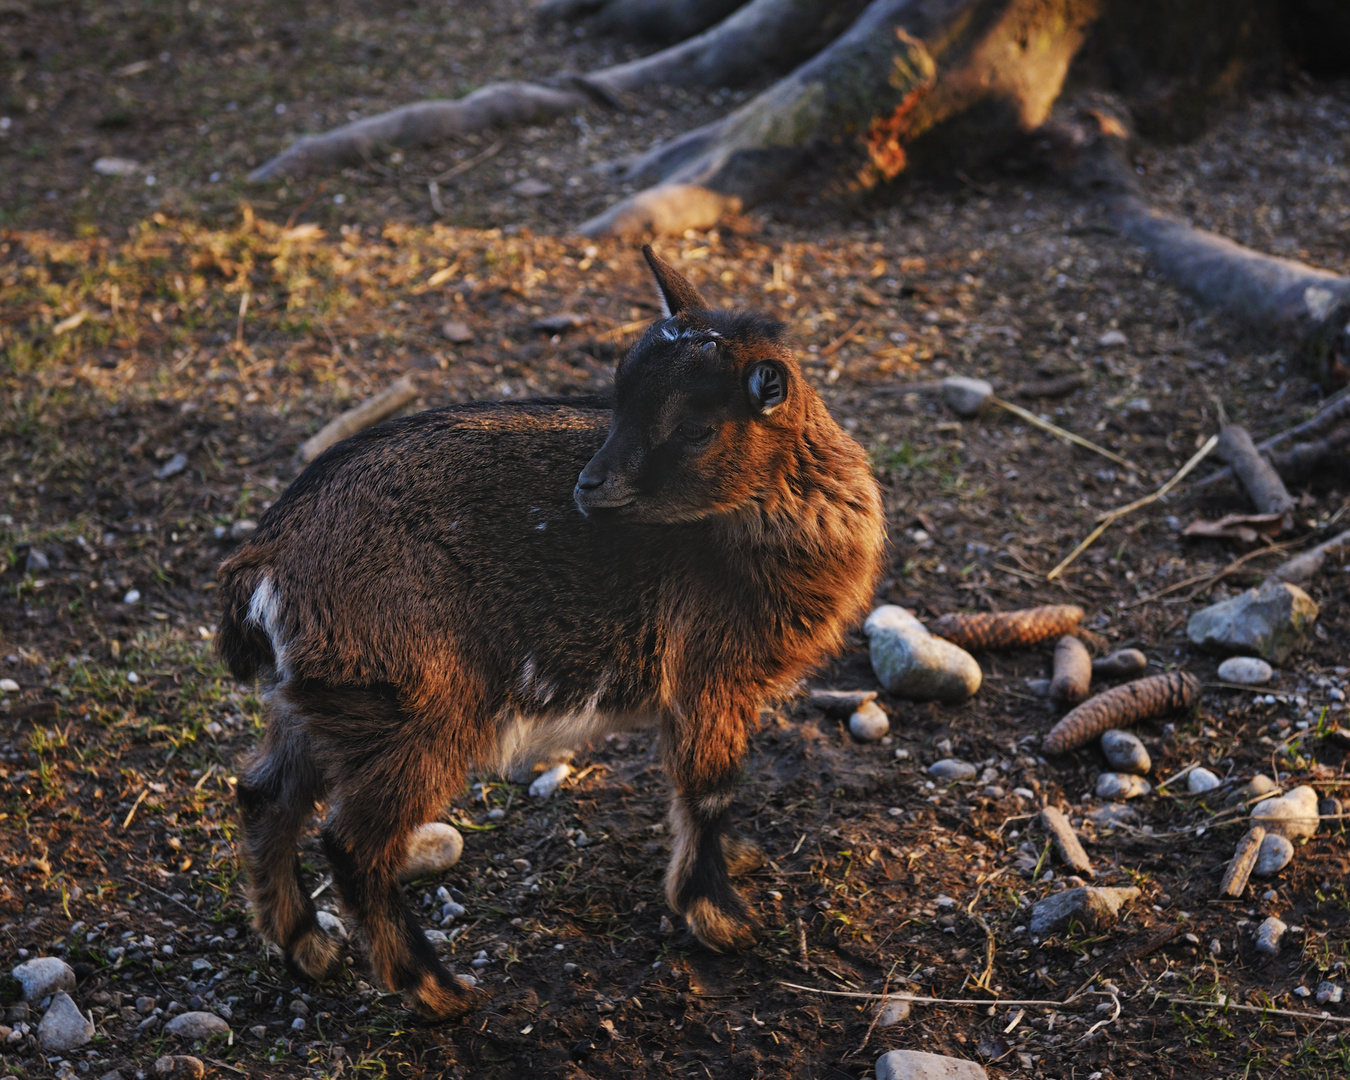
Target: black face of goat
x=495, y=583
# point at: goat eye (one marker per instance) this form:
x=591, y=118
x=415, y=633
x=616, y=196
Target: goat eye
x=694, y=433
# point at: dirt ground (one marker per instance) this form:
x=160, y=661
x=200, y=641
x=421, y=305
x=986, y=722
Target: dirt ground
x=166, y=346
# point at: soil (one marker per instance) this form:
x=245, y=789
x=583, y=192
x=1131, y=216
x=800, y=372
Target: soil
x=202, y=318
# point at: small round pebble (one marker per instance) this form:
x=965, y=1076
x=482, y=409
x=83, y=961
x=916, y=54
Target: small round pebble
x=1274, y=856
x=1112, y=785
x=892, y=1011
x=951, y=769
x=1247, y=670
x=1201, y=780
x=1125, y=753
x=870, y=723
x=1269, y=935
x=432, y=848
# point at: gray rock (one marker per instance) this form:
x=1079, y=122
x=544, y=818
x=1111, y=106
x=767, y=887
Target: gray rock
x=1125, y=753
x=64, y=1027
x=1114, y=813
x=1258, y=785
x=1274, y=856
x=966, y=397
x=530, y=188
x=916, y=1065
x=243, y=529
x=893, y=1011
x=1199, y=780
x=1247, y=670
x=457, y=332
x=1093, y=908
x=180, y=1067
x=1113, y=339
x=332, y=925
x=432, y=848
x=912, y=663
x=1329, y=993
x=1111, y=785
x=870, y=723
x=172, y=467
x=1330, y=807
x=196, y=1025
x=546, y=783
x=1269, y=935
x=951, y=769
x=1293, y=815
x=44, y=976
x=1120, y=663
x=37, y=561
x=1270, y=622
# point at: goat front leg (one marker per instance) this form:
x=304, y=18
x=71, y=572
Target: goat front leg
x=704, y=763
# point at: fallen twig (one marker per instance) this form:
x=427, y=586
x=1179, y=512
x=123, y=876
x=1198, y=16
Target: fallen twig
x=1261, y=482
x=1335, y=410
x=1210, y=580
x=1112, y=516
x=1299, y=1014
x=1045, y=425
x=916, y=1000
x=368, y=413
x=843, y=339
x=1305, y=567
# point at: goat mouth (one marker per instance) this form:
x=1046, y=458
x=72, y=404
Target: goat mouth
x=590, y=506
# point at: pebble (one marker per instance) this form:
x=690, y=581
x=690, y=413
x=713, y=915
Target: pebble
x=44, y=976
x=1247, y=670
x=1125, y=753
x=912, y=663
x=332, y=925
x=1258, y=785
x=916, y=1065
x=1269, y=935
x=1329, y=807
x=1274, y=856
x=8, y=686
x=242, y=529
x=116, y=166
x=1112, y=785
x=1094, y=908
x=993, y=791
x=530, y=188
x=1120, y=663
x=1112, y=339
x=432, y=848
x=131, y=596
x=952, y=769
x=1293, y=815
x=37, y=561
x=197, y=1025
x=456, y=332
x=870, y=723
x=1270, y=622
x=546, y=783
x=965, y=396
x=172, y=467
x=892, y=1011
x=1329, y=993
x=1199, y=780
x=64, y=1027
x=1114, y=813
x=180, y=1067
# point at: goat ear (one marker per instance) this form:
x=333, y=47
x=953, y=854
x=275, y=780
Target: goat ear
x=767, y=387
x=676, y=293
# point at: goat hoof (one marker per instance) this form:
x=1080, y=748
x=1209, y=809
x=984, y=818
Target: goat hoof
x=743, y=856
x=315, y=956
x=723, y=930
x=443, y=997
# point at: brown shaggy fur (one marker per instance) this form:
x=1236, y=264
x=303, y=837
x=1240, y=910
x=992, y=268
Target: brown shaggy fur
x=445, y=592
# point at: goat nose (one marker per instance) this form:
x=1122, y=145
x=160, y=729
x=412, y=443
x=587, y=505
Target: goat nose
x=591, y=478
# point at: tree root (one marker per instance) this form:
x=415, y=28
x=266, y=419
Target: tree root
x=763, y=33
x=1326, y=420
x=1262, y=483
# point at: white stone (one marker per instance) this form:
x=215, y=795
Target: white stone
x=8, y=686
x=1199, y=780
x=1274, y=855
x=43, y=976
x=916, y=1065
x=1329, y=993
x=965, y=396
x=432, y=848
x=870, y=723
x=1112, y=785
x=951, y=769
x=1293, y=815
x=196, y=1025
x=1269, y=935
x=1125, y=753
x=116, y=166
x=1247, y=670
x=912, y=663
x=546, y=783
x=1112, y=339
x=332, y=924
x=892, y=1011
x=64, y=1027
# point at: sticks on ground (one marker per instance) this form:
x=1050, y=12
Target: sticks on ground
x=1244, y=858
x=1332, y=413
x=1261, y=482
x=368, y=413
x=1068, y=845
x=1303, y=568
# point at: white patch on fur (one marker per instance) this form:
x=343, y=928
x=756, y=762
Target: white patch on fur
x=525, y=736
x=264, y=610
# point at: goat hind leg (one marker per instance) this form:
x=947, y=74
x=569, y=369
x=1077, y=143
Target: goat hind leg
x=276, y=796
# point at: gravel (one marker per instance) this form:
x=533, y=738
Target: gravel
x=1125, y=753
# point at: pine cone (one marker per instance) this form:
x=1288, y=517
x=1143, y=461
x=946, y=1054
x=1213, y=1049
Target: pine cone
x=1122, y=706
x=1008, y=629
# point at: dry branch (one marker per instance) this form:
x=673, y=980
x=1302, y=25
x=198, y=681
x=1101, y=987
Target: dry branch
x=1261, y=482
x=1068, y=845
x=369, y=412
x=1303, y=568
x=1244, y=858
x=987, y=631
x=1072, y=672
x=1325, y=419
x=1122, y=706
x=1059, y=387
x=1301, y=458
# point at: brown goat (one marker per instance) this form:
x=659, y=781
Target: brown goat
x=445, y=592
